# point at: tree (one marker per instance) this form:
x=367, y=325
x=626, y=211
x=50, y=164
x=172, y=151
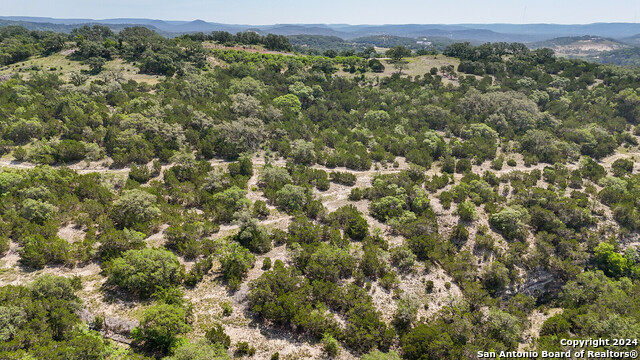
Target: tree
x=303, y=152
x=611, y=262
x=115, y=242
x=96, y=64
x=503, y=327
x=405, y=315
x=277, y=42
x=511, y=222
x=37, y=210
x=467, y=211
x=235, y=262
x=134, y=208
x=288, y=103
x=387, y=208
x=496, y=278
x=397, y=53
x=291, y=198
x=160, y=327
x=331, y=346
x=217, y=336
x=38, y=251
x=142, y=272
x=241, y=136
x=426, y=342
x=376, y=66
x=225, y=204
x=200, y=350
x=379, y=355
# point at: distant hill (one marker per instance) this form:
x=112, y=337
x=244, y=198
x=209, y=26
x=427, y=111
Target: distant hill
x=580, y=46
x=66, y=28
x=632, y=40
x=478, y=33
x=623, y=57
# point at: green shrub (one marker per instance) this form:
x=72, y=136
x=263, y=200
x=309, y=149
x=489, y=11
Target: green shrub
x=37, y=210
x=4, y=245
x=243, y=349
x=467, y=211
x=141, y=173
x=160, y=327
x=200, y=350
x=343, y=178
x=235, y=262
x=355, y=194
x=331, y=346
x=141, y=272
x=266, y=263
x=260, y=209
x=134, y=207
x=227, y=310
x=115, y=242
x=217, y=336
x=38, y=252
x=429, y=286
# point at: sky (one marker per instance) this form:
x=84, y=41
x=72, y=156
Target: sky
x=264, y=12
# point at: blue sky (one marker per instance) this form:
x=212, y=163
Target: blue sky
x=337, y=11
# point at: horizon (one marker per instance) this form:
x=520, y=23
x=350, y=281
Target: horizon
x=360, y=12
x=309, y=23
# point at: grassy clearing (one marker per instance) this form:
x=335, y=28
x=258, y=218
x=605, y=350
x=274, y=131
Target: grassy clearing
x=63, y=67
x=419, y=65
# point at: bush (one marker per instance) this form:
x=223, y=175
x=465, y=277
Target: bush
x=343, y=178
x=403, y=258
x=331, y=346
x=496, y=278
x=355, y=194
x=38, y=252
x=37, y=210
x=160, y=327
x=426, y=342
x=378, y=355
x=198, y=271
x=429, y=286
x=141, y=272
x=243, y=349
x=467, y=211
x=217, y=336
x=350, y=218
x=511, y=222
x=199, y=351
x=463, y=166
x=266, y=263
x=235, y=262
x=227, y=310
x=134, y=207
x=141, y=173
x=68, y=151
x=115, y=242
x=4, y=245
x=260, y=209
x=291, y=198
x=622, y=167
x=254, y=237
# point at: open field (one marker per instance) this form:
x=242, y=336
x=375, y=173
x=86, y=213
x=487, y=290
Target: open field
x=62, y=66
